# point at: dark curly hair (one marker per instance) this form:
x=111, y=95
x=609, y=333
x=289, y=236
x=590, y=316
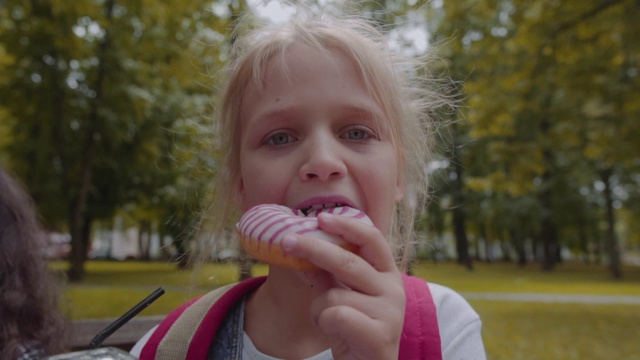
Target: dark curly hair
x=29, y=294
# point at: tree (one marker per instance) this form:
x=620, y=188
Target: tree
x=545, y=82
x=95, y=98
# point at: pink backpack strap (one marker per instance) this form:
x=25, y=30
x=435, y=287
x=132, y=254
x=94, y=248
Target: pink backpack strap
x=187, y=325
x=420, y=333
x=195, y=322
x=149, y=349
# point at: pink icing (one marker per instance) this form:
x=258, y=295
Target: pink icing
x=269, y=223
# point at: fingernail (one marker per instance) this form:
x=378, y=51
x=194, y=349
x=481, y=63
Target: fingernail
x=288, y=242
x=326, y=216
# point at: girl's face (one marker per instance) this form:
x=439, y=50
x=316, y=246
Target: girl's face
x=314, y=136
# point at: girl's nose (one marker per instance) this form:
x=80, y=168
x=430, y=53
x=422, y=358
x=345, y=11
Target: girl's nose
x=323, y=162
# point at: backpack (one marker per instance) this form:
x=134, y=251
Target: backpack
x=187, y=331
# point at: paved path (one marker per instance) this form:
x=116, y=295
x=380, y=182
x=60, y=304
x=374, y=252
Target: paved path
x=490, y=296
x=554, y=298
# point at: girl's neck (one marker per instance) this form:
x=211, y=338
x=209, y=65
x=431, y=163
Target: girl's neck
x=278, y=317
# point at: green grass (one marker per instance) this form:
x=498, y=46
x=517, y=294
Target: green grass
x=511, y=330
x=571, y=278
x=110, y=288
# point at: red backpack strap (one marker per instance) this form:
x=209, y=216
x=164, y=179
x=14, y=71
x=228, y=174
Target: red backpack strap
x=420, y=333
x=196, y=322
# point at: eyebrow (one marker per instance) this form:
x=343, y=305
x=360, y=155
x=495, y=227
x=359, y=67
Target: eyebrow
x=279, y=113
x=371, y=113
x=374, y=114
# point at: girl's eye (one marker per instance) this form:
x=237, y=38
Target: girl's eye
x=357, y=134
x=279, y=139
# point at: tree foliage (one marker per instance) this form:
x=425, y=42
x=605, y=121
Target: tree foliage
x=550, y=112
x=102, y=104
x=103, y=100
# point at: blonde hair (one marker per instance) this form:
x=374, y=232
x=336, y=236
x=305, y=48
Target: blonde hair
x=402, y=87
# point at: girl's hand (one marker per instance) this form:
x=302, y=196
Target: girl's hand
x=361, y=297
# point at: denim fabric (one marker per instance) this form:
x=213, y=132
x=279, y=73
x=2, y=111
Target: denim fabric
x=227, y=344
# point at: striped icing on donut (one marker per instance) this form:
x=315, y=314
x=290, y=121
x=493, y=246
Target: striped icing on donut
x=263, y=227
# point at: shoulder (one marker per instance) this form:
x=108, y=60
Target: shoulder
x=201, y=316
x=459, y=324
x=137, y=348
x=448, y=302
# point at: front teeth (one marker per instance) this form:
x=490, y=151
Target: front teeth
x=306, y=211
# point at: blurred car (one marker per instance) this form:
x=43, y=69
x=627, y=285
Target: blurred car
x=57, y=246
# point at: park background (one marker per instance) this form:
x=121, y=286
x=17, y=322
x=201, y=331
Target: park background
x=105, y=110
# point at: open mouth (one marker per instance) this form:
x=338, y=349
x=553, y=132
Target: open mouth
x=311, y=208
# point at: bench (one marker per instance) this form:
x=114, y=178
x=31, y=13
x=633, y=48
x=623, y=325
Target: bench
x=83, y=331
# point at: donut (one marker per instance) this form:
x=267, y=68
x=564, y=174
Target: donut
x=262, y=228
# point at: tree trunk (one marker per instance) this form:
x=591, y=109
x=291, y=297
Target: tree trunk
x=144, y=239
x=488, y=250
x=78, y=253
x=548, y=232
x=613, y=248
x=584, y=241
x=484, y=236
x=535, y=247
x=79, y=205
x=549, y=243
x=504, y=246
x=459, y=228
x=518, y=242
x=86, y=234
x=462, y=243
x=78, y=217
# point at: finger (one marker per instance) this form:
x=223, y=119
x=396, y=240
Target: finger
x=347, y=267
x=347, y=324
x=374, y=247
x=345, y=297
x=321, y=281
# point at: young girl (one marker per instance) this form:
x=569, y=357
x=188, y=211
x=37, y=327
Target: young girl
x=318, y=113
